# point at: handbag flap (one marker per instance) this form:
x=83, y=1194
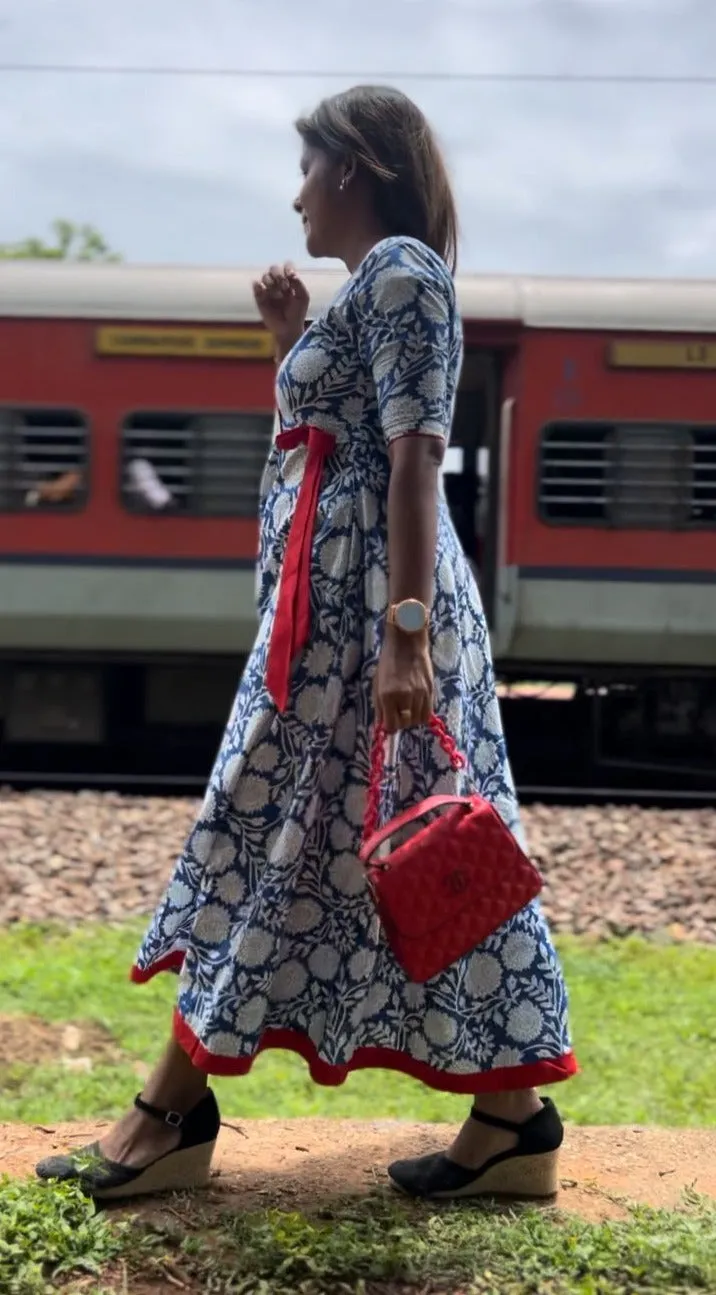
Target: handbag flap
x=382, y=834
x=466, y=859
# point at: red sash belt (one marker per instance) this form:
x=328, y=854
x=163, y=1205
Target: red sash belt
x=292, y=619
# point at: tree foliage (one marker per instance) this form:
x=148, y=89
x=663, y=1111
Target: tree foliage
x=71, y=243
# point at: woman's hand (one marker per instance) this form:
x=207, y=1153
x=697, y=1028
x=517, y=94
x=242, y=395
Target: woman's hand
x=283, y=300
x=403, y=689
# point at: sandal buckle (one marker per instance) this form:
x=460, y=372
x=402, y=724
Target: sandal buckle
x=174, y=1119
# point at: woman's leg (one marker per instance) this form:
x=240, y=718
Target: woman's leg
x=174, y=1085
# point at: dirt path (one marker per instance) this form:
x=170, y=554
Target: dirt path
x=299, y=1163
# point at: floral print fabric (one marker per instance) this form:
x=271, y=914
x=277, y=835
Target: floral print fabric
x=267, y=915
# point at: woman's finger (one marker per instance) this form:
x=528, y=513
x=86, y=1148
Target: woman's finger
x=300, y=291
x=405, y=715
x=388, y=714
x=399, y=710
x=276, y=282
x=425, y=709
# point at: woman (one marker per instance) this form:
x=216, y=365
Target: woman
x=268, y=915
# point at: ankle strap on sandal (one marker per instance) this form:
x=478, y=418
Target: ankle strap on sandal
x=173, y=1118
x=495, y=1122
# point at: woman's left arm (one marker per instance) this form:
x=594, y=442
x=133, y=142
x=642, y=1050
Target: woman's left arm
x=404, y=680
x=407, y=328
x=413, y=516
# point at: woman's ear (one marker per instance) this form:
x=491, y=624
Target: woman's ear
x=348, y=173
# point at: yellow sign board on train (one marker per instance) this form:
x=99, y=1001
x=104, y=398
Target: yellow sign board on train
x=662, y=355
x=187, y=343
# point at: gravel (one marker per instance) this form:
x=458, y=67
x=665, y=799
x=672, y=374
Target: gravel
x=608, y=869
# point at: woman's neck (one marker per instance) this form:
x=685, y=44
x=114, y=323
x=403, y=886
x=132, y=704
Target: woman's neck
x=359, y=248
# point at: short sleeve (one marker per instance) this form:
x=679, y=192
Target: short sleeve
x=406, y=318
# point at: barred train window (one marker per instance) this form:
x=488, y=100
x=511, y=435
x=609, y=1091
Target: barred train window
x=633, y=476
x=207, y=465
x=703, y=500
x=44, y=460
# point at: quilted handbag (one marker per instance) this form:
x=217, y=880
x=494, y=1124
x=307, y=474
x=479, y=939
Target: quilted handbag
x=457, y=878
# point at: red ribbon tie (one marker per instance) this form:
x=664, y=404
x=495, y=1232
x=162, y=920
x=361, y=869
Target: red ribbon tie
x=292, y=618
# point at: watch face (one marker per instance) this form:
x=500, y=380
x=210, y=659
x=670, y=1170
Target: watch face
x=410, y=617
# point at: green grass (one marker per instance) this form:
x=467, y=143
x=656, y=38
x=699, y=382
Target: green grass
x=642, y=1015
x=375, y=1244
x=55, y=1232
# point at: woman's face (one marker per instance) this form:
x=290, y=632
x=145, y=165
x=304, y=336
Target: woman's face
x=319, y=202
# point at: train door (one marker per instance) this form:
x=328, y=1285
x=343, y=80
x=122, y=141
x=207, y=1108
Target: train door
x=470, y=469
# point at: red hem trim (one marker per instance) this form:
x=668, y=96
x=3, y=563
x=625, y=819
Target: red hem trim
x=172, y=962
x=504, y=1079
x=329, y=1076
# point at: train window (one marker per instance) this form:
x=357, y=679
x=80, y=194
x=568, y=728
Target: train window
x=207, y=465
x=44, y=460
x=703, y=485
x=629, y=475
x=573, y=473
x=649, y=477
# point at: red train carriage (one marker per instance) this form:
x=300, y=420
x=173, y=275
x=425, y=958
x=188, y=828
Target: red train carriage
x=135, y=416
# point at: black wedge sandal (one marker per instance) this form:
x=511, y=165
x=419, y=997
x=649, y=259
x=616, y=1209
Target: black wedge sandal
x=527, y=1172
x=186, y=1167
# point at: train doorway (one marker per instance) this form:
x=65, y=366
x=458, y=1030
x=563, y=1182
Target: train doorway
x=471, y=469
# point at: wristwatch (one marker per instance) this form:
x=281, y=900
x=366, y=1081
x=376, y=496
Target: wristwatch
x=410, y=616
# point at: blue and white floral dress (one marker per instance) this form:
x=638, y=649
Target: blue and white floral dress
x=267, y=915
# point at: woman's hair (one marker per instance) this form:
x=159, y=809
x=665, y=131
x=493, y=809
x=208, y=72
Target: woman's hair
x=394, y=146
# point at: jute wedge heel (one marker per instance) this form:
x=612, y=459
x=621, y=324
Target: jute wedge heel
x=179, y=1171
x=524, y=1178
x=528, y=1172
x=188, y=1166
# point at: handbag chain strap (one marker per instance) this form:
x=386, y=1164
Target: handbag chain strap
x=377, y=768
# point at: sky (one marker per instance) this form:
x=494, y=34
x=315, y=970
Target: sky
x=572, y=179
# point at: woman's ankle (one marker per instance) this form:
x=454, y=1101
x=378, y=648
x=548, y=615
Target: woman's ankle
x=516, y=1105
x=182, y=1098
x=175, y=1084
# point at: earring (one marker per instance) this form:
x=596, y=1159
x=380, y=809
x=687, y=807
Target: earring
x=342, y=184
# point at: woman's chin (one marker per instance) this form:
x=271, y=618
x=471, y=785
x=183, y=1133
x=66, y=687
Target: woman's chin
x=313, y=244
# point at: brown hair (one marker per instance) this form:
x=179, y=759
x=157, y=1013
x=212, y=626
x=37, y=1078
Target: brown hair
x=393, y=144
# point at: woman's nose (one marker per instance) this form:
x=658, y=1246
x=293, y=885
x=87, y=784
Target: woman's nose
x=297, y=206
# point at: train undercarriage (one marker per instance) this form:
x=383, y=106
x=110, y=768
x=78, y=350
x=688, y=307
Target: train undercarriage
x=137, y=723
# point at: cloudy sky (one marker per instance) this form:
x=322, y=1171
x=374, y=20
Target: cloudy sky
x=551, y=178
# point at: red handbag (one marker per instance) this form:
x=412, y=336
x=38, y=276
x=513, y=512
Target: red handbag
x=451, y=884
